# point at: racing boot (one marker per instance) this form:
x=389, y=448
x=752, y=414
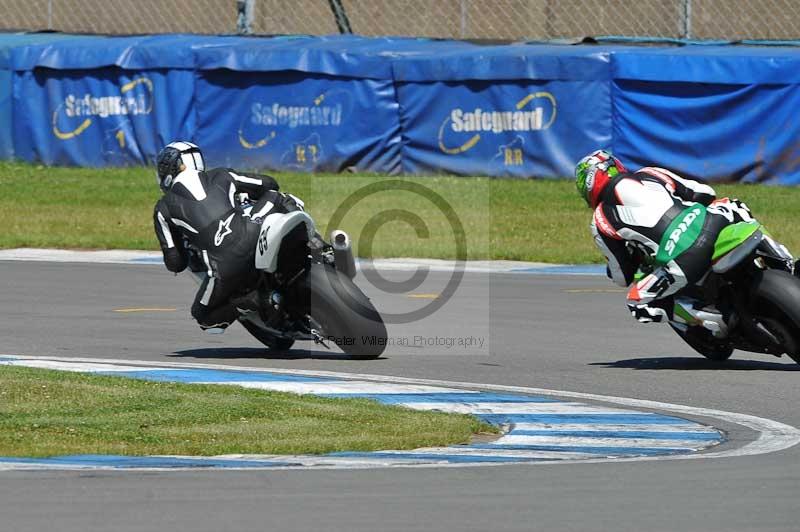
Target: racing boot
x=218, y=319
x=688, y=313
x=246, y=304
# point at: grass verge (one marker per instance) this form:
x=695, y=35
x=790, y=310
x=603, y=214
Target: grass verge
x=533, y=220
x=49, y=413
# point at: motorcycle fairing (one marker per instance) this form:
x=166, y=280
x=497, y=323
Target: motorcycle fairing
x=274, y=229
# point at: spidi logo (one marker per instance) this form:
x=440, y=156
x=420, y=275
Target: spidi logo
x=681, y=229
x=535, y=112
x=135, y=98
x=681, y=234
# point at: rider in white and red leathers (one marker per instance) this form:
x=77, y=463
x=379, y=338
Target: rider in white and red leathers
x=638, y=215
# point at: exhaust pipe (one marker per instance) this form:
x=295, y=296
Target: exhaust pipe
x=343, y=253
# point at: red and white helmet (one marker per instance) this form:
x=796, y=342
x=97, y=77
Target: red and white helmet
x=593, y=172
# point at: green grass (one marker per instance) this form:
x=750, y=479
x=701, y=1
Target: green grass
x=50, y=413
x=534, y=220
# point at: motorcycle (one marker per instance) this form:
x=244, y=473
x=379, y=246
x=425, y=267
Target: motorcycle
x=749, y=300
x=305, y=290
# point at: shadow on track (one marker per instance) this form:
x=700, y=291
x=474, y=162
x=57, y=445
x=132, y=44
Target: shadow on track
x=698, y=364
x=262, y=353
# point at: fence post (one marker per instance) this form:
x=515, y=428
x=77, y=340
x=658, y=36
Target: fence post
x=244, y=21
x=687, y=19
x=340, y=16
x=464, y=9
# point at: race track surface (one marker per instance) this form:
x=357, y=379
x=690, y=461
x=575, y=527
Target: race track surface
x=568, y=333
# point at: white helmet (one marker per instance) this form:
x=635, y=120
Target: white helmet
x=172, y=157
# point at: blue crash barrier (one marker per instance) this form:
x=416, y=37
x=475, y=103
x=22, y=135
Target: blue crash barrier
x=104, y=101
x=717, y=113
x=395, y=105
x=519, y=110
x=8, y=42
x=303, y=103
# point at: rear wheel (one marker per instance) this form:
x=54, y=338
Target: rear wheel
x=346, y=316
x=776, y=304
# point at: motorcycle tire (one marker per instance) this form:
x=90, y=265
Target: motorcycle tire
x=775, y=299
x=704, y=343
x=347, y=316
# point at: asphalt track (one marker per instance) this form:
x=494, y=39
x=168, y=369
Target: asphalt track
x=559, y=332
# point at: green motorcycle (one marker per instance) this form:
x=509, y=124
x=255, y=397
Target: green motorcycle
x=749, y=300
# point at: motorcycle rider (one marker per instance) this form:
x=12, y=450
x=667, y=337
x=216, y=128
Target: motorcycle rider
x=202, y=212
x=654, y=216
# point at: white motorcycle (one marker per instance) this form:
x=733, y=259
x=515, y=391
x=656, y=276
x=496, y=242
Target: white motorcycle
x=306, y=292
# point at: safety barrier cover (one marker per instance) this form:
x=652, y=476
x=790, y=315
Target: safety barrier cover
x=8, y=42
x=292, y=121
x=302, y=103
x=403, y=105
x=714, y=113
x=503, y=110
x=103, y=101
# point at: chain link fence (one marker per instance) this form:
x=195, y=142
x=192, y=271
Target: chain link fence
x=512, y=20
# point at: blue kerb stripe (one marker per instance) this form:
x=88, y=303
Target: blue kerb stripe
x=605, y=451
x=698, y=436
x=612, y=419
x=147, y=260
x=7, y=359
x=443, y=397
x=209, y=376
x=133, y=462
x=450, y=458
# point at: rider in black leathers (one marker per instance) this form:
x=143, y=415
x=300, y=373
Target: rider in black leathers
x=202, y=214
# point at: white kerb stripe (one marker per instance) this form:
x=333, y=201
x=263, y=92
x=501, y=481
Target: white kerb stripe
x=207, y=294
x=243, y=179
x=181, y=223
x=517, y=408
x=336, y=387
x=615, y=427
x=165, y=231
x=558, y=440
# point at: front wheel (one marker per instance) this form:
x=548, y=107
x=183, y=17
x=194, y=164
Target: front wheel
x=347, y=316
x=704, y=343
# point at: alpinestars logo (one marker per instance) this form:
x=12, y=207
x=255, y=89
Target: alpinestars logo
x=223, y=231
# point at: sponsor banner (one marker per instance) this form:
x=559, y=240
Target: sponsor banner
x=518, y=128
x=8, y=43
x=101, y=117
x=296, y=121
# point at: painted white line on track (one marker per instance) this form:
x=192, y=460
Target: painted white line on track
x=773, y=436
x=134, y=257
